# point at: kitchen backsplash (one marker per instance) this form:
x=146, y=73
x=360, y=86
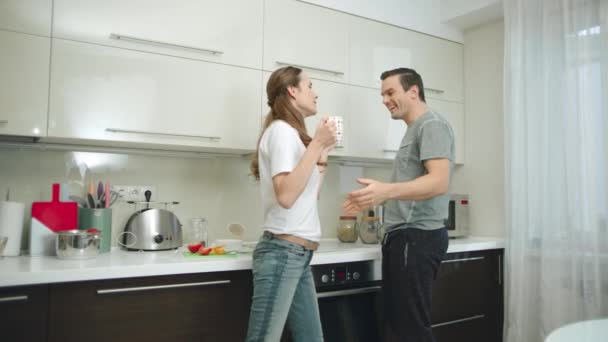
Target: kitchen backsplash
x=216, y=188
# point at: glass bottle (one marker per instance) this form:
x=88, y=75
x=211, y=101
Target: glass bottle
x=347, y=229
x=199, y=231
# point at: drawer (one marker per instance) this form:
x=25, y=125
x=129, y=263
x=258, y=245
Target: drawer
x=23, y=313
x=467, y=285
x=192, y=307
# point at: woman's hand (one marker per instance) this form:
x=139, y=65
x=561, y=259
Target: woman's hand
x=326, y=134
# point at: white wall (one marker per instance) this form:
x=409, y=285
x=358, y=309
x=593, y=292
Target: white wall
x=421, y=16
x=482, y=176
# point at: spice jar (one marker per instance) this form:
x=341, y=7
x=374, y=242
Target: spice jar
x=369, y=229
x=347, y=229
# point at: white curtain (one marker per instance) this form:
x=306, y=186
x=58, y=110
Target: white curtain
x=556, y=164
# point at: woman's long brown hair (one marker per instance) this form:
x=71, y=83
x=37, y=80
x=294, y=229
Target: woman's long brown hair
x=281, y=108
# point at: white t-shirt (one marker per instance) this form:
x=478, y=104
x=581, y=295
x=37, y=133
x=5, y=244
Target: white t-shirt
x=280, y=151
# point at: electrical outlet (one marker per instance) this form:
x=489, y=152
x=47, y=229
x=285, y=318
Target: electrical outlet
x=134, y=192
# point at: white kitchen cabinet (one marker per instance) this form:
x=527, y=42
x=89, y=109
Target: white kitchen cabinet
x=441, y=66
x=376, y=47
x=26, y=16
x=454, y=113
x=333, y=101
x=24, y=66
x=306, y=36
x=227, y=32
x=375, y=134
x=111, y=94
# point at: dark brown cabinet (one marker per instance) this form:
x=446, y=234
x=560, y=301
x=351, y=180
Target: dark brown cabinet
x=23, y=313
x=467, y=306
x=468, y=297
x=190, y=307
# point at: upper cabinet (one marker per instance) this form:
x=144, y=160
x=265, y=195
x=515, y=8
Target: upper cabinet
x=375, y=134
x=24, y=66
x=377, y=47
x=26, y=16
x=306, y=36
x=110, y=94
x=227, y=32
x=442, y=68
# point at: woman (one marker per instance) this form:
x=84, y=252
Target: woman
x=289, y=165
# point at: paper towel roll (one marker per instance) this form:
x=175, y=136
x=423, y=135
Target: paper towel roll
x=11, y=225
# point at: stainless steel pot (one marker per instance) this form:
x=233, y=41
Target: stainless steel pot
x=77, y=244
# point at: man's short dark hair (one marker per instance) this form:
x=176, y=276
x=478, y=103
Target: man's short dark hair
x=408, y=78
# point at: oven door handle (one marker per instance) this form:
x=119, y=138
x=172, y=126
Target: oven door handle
x=349, y=292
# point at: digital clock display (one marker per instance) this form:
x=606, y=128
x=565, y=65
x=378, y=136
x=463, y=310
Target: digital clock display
x=340, y=273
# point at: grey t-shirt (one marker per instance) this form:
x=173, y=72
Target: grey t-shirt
x=429, y=137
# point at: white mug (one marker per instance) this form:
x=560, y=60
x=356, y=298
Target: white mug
x=339, y=129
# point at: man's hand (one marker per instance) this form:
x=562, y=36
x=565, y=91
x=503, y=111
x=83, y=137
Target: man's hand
x=351, y=208
x=374, y=193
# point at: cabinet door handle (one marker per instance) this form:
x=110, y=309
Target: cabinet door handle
x=390, y=151
x=499, y=269
x=458, y=321
x=161, y=287
x=2, y=122
x=463, y=259
x=118, y=36
x=433, y=90
x=349, y=292
x=118, y=130
x=13, y=299
x=335, y=72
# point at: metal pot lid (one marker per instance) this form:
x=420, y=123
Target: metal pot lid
x=77, y=232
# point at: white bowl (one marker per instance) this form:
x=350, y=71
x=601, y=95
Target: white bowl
x=230, y=245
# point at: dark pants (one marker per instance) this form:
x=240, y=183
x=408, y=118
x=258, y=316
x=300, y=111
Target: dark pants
x=410, y=260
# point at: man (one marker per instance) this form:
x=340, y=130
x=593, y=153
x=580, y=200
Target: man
x=415, y=207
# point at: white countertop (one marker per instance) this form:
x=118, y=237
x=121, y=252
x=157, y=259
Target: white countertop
x=26, y=270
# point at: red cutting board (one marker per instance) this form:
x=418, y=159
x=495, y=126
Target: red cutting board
x=56, y=215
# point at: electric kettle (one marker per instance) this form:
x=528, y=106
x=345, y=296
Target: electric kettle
x=152, y=229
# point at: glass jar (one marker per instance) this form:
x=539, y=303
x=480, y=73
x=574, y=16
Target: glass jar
x=347, y=229
x=370, y=229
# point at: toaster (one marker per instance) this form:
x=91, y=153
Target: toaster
x=152, y=229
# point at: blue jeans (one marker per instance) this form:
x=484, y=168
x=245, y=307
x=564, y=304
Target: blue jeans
x=283, y=291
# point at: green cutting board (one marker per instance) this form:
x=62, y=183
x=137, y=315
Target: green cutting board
x=188, y=254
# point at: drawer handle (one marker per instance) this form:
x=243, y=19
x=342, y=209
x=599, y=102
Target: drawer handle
x=458, y=321
x=390, y=151
x=499, y=269
x=118, y=36
x=335, y=72
x=118, y=130
x=13, y=299
x=2, y=122
x=436, y=91
x=349, y=292
x=463, y=259
x=161, y=287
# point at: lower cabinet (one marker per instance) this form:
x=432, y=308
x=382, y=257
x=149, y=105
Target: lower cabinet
x=23, y=313
x=468, y=297
x=191, y=307
x=467, y=306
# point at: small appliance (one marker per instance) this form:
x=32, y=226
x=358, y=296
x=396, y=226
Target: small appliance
x=457, y=222
x=152, y=229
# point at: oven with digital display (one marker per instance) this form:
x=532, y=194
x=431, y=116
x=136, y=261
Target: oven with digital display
x=349, y=300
